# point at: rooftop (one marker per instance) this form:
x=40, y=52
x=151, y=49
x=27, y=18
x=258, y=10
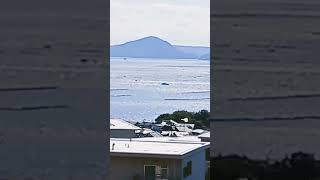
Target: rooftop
x=186, y=139
x=155, y=147
x=204, y=135
x=149, y=131
x=198, y=131
x=121, y=124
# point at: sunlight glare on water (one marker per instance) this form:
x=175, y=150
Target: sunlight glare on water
x=142, y=89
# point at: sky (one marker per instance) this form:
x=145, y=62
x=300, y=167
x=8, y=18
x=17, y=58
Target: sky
x=180, y=22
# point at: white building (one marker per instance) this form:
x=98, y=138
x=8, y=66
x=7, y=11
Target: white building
x=122, y=129
x=145, y=132
x=205, y=137
x=177, y=126
x=157, y=159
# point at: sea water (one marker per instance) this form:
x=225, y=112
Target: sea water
x=142, y=89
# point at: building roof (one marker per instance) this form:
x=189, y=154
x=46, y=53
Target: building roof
x=155, y=147
x=199, y=131
x=188, y=139
x=164, y=122
x=178, y=133
x=146, y=131
x=184, y=127
x=121, y=124
x=204, y=135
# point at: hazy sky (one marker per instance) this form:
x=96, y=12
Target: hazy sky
x=181, y=22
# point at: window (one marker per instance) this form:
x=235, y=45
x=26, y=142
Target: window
x=187, y=171
x=155, y=172
x=164, y=172
x=150, y=172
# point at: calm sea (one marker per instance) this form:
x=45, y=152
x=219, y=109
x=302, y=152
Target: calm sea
x=142, y=89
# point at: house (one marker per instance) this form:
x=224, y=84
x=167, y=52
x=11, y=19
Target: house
x=157, y=159
x=182, y=127
x=198, y=132
x=205, y=137
x=145, y=132
x=188, y=139
x=149, y=125
x=122, y=129
x=174, y=133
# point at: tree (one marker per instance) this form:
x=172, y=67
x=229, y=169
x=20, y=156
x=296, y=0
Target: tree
x=203, y=116
x=178, y=115
x=200, y=119
x=303, y=166
x=198, y=125
x=162, y=117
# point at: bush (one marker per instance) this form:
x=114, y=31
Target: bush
x=300, y=166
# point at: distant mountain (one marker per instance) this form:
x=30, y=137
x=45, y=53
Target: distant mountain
x=149, y=47
x=154, y=47
x=196, y=50
x=205, y=56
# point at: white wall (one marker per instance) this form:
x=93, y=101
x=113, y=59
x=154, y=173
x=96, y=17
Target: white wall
x=124, y=168
x=198, y=166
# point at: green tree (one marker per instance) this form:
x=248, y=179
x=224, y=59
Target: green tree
x=198, y=125
x=202, y=116
x=178, y=115
x=200, y=119
x=162, y=117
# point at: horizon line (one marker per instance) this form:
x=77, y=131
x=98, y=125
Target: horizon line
x=183, y=45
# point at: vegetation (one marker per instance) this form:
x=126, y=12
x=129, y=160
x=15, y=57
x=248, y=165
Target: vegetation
x=299, y=166
x=199, y=119
x=138, y=177
x=187, y=171
x=208, y=175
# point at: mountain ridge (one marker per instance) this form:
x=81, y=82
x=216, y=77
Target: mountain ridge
x=154, y=47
